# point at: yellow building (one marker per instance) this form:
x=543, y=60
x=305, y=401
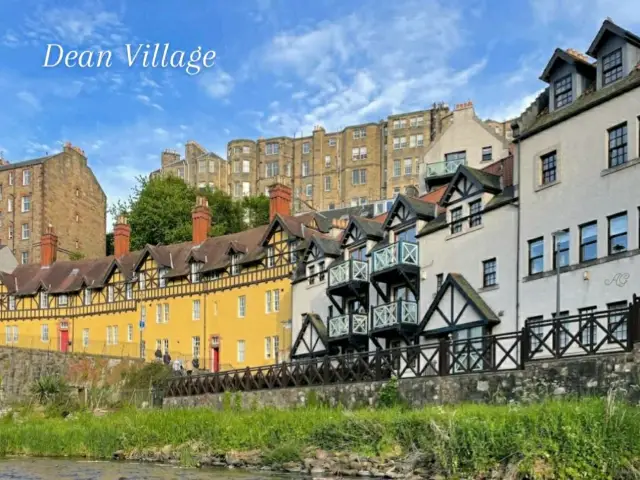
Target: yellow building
x=224, y=300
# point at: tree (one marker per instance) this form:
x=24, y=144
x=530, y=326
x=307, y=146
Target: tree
x=159, y=211
x=110, y=245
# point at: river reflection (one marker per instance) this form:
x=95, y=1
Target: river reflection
x=37, y=469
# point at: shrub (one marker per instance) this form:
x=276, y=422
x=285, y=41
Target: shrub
x=389, y=395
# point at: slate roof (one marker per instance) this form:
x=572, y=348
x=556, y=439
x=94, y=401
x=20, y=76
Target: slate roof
x=369, y=227
x=586, y=68
x=474, y=297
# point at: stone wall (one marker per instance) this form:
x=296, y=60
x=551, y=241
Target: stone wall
x=20, y=367
x=595, y=375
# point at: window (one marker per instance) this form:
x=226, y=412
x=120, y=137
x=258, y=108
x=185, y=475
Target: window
x=9, y=205
x=109, y=335
x=563, y=336
x=455, y=159
x=327, y=161
x=359, y=176
x=412, y=141
x=26, y=177
x=332, y=142
x=267, y=301
x=272, y=148
x=359, y=153
x=588, y=242
x=396, y=143
x=110, y=293
x=456, y=223
x=25, y=231
x=166, y=313
x=162, y=272
x=25, y=258
x=130, y=332
x=271, y=258
x=276, y=300
x=142, y=281
x=536, y=256
x=562, y=91
x=588, y=332
x=246, y=166
x=311, y=274
x=267, y=348
x=63, y=300
x=242, y=306
x=420, y=140
x=165, y=345
x=202, y=166
x=181, y=172
x=0, y=191
x=489, y=273
x=44, y=300
x=87, y=296
x=403, y=142
x=287, y=169
x=10, y=233
x=439, y=280
x=487, y=154
x=236, y=166
x=246, y=189
x=143, y=314
x=475, y=209
x=26, y=204
x=212, y=166
x=115, y=334
x=85, y=337
x=617, y=233
x=195, y=311
x=612, y=67
x=159, y=313
x=271, y=169
x=195, y=272
x=360, y=133
x=548, y=164
x=618, y=145
x=408, y=166
x=397, y=168
x=12, y=302
x=305, y=168
x=327, y=184
x=195, y=347
x=44, y=333
x=241, y=346
x=10, y=178
x=309, y=189
x=561, y=242
x=535, y=328
x=306, y=148
x=617, y=321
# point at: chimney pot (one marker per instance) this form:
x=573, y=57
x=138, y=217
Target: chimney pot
x=48, y=247
x=121, y=236
x=201, y=220
x=279, y=200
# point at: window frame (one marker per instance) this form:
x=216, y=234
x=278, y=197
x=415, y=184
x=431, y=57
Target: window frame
x=532, y=259
x=563, y=91
x=620, y=148
x=557, y=251
x=487, y=150
x=475, y=217
x=618, y=307
x=490, y=272
x=456, y=220
x=546, y=171
x=584, y=244
x=611, y=237
x=242, y=306
x=613, y=69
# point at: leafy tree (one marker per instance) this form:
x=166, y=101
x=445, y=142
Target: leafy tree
x=110, y=245
x=159, y=211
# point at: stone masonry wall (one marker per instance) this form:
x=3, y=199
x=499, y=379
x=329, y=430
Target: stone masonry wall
x=595, y=375
x=20, y=367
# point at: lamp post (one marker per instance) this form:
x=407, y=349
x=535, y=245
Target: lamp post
x=556, y=235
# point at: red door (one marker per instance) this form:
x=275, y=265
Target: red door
x=215, y=359
x=64, y=340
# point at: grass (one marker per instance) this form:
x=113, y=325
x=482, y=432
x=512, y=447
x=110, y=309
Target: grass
x=586, y=438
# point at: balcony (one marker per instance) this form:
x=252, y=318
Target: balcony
x=439, y=173
x=348, y=278
x=394, y=316
x=352, y=327
x=392, y=263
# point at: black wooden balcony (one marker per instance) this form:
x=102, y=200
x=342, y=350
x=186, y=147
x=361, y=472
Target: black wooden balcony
x=395, y=263
x=394, y=319
x=349, y=329
x=349, y=278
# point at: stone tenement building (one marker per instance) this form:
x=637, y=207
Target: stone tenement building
x=58, y=189
x=326, y=170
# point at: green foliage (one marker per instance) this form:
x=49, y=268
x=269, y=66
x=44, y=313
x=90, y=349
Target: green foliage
x=50, y=389
x=110, y=245
x=138, y=378
x=159, y=211
x=76, y=255
x=586, y=439
x=237, y=402
x=256, y=210
x=226, y=401
x=389, y=395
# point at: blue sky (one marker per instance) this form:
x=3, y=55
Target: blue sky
x=282, y=66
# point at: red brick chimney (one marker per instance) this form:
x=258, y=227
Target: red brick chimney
x=201, y=216
x=48, y=247
x=121, y=236
x=279, y=200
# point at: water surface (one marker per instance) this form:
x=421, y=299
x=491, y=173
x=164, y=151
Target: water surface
x=38, y=469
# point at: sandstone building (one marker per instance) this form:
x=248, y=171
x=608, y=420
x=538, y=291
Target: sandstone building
x=326, y=170
x=58, y=189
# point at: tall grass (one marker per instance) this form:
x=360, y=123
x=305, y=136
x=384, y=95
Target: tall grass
x=573, y=439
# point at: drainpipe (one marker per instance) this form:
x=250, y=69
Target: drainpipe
x=515, y=128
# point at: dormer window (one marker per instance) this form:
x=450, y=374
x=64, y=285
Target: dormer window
x=359, y=253
x=612, y=67
x=195, y=272
x=12, y=302
x=63, y=300
x=456, y=222
x=142, y=281
x=110, y=294
x=87, y=296
x=408, y=235
x=162, y=281
x=44, y=300
x=293, y=255
x=475, y=213
x=271, y=261
x=235, y=268
x=563, y=91
x=129, y=290
x=311, y=274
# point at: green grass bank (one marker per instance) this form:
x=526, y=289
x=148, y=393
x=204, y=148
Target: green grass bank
x=570, y=439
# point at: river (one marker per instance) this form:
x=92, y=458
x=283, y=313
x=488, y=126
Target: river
x=39, y=469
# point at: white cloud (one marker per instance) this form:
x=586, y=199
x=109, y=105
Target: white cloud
x=508, y=111
x=363, y=66
x=587, y=13
x=33, y=148
x=145, y=100
x=30, y=99
x=217, y=83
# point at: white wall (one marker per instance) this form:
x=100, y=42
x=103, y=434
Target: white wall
x=464, y=252
x=586, y=190
x=308, y=299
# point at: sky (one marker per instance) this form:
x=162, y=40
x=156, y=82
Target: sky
x=281, y=67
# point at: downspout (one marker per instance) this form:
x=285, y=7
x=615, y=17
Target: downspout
x=206, y=342
x=518, y=236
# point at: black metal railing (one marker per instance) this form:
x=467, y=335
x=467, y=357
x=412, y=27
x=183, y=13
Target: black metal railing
x=607, y=331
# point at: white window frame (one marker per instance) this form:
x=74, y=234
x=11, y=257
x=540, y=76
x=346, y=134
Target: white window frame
x=195, y=346
x=327, y=183
x=44, y=333
x=128, y=290
x=87, y=296
x=309, y=189
x=12, y=302
x=276, y=300
x=26, y=231
x=242, y=306
x=267, y=348
x=212, y=166
x=111, y=294
x=195, y=310
x=130, y=332
x=241, y=351
x=142, y=281
x=327, y=161
x=159, y=313
x=272, y=149
x=235, y=268
x=44, y=300
x=26, y=204
x=271, y=259
x=166, y=313
x=246, y=166
x=306, y=148
x=162, y=280
x=85, y=337
x=26, y=178
x=267, y=301
x=63, y=300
